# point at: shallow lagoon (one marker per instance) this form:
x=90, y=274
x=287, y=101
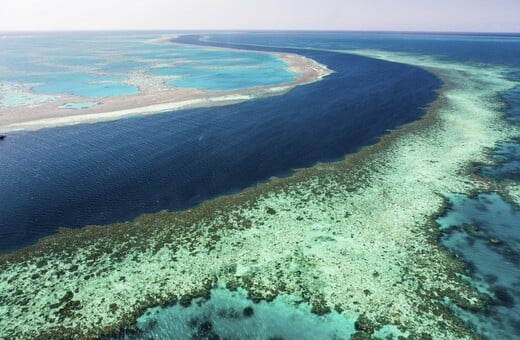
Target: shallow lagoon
x=484, y=231
x=485, y=245
x=231, y=315
x=97, y=65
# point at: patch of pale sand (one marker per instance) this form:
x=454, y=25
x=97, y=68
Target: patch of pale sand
x=164, y=39
x=225, y=99
x=308, y=68
x=147, y=83
x=15, y=94
x=154, y=97
x=356, y=235
x=511, y=190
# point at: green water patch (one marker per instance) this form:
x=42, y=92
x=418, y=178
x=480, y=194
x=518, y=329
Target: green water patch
x=231, y=315
x=484, y=231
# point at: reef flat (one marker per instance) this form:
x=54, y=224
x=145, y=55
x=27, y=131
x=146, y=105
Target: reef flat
x=357, y=236
x=154, y=96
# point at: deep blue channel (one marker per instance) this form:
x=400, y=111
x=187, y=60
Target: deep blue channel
x=114, y=171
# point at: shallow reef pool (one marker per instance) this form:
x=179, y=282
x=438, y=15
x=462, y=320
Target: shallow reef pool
x=110, y=64
x=484, y=231
x=232, y=315
x=76, y=106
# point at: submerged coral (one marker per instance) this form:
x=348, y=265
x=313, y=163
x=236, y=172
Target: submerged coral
x=356, y=236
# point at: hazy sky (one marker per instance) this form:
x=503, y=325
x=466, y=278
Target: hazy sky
x=429, y=15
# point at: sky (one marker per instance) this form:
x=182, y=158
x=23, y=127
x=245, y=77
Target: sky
x=392, y=15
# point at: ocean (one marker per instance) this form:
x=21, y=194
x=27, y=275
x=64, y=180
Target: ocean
x=110, y=172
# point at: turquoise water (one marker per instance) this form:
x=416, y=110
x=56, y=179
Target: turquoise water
x=484, y=231
x=93, y=177
x=97, y=64
x=217, y=70
x=122, y=66
x=83, y=84
x=232, y=78
x=231, y=315
x=78, y=60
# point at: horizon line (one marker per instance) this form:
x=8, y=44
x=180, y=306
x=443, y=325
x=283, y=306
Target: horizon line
x=258, y=30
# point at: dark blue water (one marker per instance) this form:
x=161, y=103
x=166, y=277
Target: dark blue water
x=498, y=49
x=507, y=156
x=107, y=172
x=483, y=230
